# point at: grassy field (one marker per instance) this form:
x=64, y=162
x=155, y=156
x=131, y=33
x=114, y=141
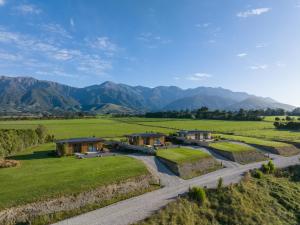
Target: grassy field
x=181, y=155
x=231, y=147
x=254, y=141
x=270, y=200
x=259, y=129
x=41, y=176
x=112, y=127
x=100, y=127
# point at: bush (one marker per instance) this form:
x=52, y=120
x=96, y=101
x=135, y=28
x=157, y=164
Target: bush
x=197, y=194
x=15, y=140
x=220, y=183
x=265, y=168
x=271, y=166
x=268, y=168
x=257, y=174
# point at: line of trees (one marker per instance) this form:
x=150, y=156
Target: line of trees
x=205, y=113
x=16, y=140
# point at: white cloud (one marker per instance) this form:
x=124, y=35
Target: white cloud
x=151, y=40
x=65, y=54
x=104, y=44
x=28, y=9
x=72, y=22
x=43, y=55
x=176, y=78
x=253, y=12
x=2, y=2
x=202, y=25
x=198, y=76
x=280, y=64
x=56, y=29
x=261, y=45
x=9, y=56
x=242, y=55
x=259, y=67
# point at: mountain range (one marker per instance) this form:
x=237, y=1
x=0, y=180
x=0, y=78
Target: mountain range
x=26, y=94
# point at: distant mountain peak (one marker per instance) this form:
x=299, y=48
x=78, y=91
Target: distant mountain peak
x=32, y=95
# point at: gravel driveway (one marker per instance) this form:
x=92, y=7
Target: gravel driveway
x=137, y=208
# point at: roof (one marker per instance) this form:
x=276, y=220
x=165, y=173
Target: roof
x=146, y=135
x=79, y=140
x=194, y=131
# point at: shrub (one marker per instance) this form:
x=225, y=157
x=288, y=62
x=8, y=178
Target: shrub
x=271, y=166
x=198, y=194
x=265, y=168
x=220, y=183
x=257, y=174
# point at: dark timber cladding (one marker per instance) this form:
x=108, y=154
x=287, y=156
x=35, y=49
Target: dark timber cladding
x=154, y=139
x=195, y=134
x=79, y=145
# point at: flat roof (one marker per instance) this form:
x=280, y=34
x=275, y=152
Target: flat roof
x=79, y=140
x=146, y=135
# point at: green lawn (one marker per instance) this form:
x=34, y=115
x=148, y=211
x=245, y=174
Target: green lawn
x=231, y=147
x=255, y=141
x=181, y=155
x=42, y=176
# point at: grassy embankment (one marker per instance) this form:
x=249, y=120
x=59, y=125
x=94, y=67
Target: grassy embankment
x=182, y=155
x=186, y=162
x=271, y=200
x=272, y=146
x=240, y=153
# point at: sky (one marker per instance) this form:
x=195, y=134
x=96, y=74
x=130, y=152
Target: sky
x=242, y=45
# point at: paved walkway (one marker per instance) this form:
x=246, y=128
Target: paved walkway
x=138, y=208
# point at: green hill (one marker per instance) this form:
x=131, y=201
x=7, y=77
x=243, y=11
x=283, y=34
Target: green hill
x=273, y=199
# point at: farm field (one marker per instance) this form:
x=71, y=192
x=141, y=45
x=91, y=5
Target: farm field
x=181, y=155
x=259, y=129
x=231, y=147
x=41, y=176
x=117, y=127
x=72, y=128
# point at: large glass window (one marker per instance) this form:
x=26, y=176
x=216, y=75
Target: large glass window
x=91, y=148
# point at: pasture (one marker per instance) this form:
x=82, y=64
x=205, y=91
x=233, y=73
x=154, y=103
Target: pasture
x=258, y=129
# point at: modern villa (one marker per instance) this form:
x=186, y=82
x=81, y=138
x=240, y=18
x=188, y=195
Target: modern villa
x=79, y=145
x=198, y=135
x=152, y=139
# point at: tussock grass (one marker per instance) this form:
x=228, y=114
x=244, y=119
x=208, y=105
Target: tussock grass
x=270, y=200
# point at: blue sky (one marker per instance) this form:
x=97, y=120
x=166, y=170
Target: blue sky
x=242, y=45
